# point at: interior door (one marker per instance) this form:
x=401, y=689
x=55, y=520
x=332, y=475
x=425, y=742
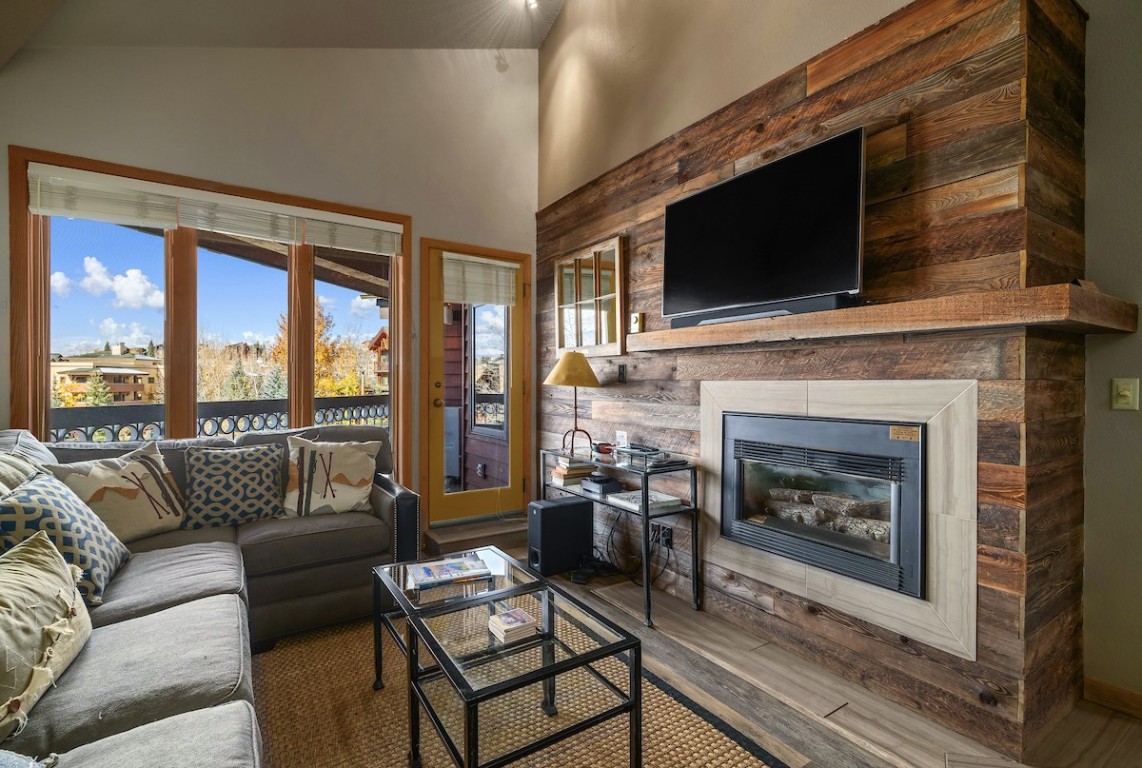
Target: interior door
x=476, y=321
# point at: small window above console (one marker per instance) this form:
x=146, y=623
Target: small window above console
x=589, y=300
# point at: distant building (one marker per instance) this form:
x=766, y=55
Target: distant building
x=131, y=377
x=379, y=346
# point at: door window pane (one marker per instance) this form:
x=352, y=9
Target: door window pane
x=107, y=316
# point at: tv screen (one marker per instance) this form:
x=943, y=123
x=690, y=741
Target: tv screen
x=787, y=230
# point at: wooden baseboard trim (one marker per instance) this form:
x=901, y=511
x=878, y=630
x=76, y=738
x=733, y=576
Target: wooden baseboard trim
x=1112, y=696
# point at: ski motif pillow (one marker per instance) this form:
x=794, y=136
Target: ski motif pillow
x=325, y=478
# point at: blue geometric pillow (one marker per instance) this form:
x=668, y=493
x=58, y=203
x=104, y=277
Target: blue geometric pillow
x=43, y=503
x=231, y=486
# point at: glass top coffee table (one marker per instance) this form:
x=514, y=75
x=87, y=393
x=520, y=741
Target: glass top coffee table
x=494, y=702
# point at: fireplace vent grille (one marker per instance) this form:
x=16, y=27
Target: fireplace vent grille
x=881, y=467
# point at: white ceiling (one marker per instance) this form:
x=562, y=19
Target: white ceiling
x=280, y=24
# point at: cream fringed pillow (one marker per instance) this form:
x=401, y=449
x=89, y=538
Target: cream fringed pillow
x=43, y=626
x=325, y=478
x=134, y=494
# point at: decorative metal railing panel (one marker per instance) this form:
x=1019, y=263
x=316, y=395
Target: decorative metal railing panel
x=123, y=423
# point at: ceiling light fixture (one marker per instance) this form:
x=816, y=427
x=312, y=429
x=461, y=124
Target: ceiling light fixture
x=533, y=4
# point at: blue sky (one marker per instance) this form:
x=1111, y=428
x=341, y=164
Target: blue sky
x=107, y=286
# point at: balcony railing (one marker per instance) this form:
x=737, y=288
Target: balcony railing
x=119, y=423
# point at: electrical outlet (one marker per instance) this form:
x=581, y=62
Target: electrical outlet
x=663, y=533
x=621, y=437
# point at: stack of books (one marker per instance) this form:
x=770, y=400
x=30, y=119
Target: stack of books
x=570, y=471
x=632, y=500
x=512, y=625
x=448, y=571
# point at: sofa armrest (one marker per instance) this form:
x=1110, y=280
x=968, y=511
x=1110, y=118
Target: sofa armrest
x=403, y=516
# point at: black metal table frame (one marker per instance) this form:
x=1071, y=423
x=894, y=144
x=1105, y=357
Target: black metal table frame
x=690, y=509
x=416, y=634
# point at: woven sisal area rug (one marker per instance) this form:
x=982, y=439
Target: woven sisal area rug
x=317, y=708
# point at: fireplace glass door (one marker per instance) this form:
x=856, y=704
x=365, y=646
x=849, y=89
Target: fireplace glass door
x=856, y=514
x=844, y=495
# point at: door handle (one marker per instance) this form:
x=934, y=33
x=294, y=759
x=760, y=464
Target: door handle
x=438, y=402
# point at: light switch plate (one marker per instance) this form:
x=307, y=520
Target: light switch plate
x=1124, y=394
x=620, y=437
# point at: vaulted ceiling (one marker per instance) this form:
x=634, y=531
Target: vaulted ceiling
x=489, y=24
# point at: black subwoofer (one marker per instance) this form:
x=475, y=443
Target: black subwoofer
x=560, y=533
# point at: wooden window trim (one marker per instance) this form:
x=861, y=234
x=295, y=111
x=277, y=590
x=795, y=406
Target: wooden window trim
x=618, y=346
x=180, y=333
x=299, y=331
x=30, y=294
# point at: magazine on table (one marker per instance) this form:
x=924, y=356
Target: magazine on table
x=512, y=625
x=632, y=500
x=437, y=572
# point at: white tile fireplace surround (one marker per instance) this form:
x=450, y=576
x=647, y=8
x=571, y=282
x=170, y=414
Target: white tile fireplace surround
x=946, y=617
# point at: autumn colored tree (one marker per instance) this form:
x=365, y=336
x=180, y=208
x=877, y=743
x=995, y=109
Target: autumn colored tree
x=336, y=361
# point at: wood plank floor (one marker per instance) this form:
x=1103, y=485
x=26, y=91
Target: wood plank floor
x=810, y=717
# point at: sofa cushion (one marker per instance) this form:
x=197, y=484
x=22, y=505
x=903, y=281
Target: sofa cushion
x=13, y=760
x=225, y=736
x=225, y=533
x=43, y=626
x=23, y=443
x=326, y=478
x=135, y=494
x=173, y=451
x=155, y=581
x=44, y=503
x=188, y=657
x=14, y=470
x=283, y=544
x=358, y=433
x=229, y=486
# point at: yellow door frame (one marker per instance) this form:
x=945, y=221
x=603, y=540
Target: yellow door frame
x=441, y=507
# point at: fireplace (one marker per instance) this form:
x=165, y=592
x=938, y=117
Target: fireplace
x=843, y=495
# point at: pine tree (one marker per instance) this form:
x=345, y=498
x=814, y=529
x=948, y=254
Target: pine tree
x=238, y=386
x=151, y=348
x=98, y=393
x=107, y=347
x=276, y=387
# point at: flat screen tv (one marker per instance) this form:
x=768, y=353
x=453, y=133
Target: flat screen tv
x=782, y=238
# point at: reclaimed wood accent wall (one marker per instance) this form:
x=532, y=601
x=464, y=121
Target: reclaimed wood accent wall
x=974, y=115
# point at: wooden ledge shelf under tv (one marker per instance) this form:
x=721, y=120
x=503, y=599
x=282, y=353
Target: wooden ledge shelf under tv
x=1066, y=307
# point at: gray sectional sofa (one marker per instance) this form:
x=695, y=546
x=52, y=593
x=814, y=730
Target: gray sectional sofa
x=165, y=679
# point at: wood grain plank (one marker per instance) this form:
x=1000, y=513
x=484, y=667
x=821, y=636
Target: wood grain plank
x=1005, y=104
x=890, y=35
x=984, y=195
x=981, y=151
x=1002, y=271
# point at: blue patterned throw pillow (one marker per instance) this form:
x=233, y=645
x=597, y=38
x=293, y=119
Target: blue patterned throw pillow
x=43, y=503
x=230, y=486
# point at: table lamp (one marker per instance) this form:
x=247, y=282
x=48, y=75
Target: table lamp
x=573, y=371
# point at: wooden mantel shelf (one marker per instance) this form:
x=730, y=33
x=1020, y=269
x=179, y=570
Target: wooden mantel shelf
x=1064, y=307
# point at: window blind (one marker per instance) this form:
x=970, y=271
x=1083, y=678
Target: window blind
x=77, y=194
x=476, y=280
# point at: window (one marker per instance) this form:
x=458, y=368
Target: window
x=589, y=300
x=489, y=369
x=172, y=271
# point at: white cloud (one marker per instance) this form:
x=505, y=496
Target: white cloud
x=98, y=281
x=326, y=302
x=254, y=337
x=133, y=334
x=362, y=307
x=132, y=289
x=61, y=284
